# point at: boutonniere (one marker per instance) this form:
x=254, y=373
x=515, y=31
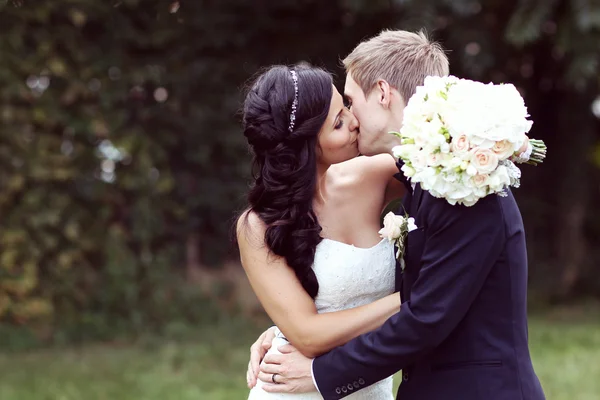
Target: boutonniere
x=395, y=228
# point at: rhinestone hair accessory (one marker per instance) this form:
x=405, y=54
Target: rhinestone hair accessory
x=295, y=102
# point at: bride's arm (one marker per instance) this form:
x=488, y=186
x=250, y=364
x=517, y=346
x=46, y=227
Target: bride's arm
x=381, y=170
x=289, y=305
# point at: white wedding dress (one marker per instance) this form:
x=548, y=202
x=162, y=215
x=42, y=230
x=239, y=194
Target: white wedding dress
x=348, y=277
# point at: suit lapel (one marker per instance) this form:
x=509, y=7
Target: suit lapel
x=416, y=201
x=403, y=210
x=406, y=204
x=411, y=205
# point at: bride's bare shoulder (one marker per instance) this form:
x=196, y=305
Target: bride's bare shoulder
x=250, y=229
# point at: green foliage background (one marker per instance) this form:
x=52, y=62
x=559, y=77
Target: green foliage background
x=122, y=162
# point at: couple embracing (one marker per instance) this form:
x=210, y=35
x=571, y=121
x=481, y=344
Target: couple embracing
x=452, y=315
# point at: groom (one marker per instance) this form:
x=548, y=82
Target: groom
x=461, y=332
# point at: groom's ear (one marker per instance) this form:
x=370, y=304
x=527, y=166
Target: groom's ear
x=383, y=89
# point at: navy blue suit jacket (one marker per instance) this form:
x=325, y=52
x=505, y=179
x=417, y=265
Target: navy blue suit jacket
x=461, y=332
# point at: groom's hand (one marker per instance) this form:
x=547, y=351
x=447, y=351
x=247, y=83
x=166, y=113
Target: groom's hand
x=293, y=372
x=257, y=353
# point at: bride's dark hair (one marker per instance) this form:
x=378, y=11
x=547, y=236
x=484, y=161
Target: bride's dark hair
x=285, y=163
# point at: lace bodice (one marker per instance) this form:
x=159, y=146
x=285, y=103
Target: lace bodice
x=348, y=277
x=351, y=276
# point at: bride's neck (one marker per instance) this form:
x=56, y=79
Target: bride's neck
x=320, y=189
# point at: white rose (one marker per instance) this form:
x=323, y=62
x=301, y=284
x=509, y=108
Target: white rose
x=434, y=159
x=392, y=226
x=480, y=180
x=503, y=149
x=484, y=160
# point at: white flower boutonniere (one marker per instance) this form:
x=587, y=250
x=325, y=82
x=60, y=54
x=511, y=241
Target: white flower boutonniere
x=395, y=228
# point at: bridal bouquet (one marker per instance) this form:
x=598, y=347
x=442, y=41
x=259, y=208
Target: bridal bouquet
x=460, y=138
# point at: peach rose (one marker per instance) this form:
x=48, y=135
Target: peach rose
x=484, y=161
x=503, y=149
x=460, y=145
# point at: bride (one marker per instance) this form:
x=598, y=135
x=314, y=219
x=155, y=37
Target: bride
x=309, y=240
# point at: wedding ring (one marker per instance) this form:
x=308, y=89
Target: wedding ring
x=273, y=379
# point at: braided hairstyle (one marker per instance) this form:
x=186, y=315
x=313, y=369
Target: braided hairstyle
x=285, y=163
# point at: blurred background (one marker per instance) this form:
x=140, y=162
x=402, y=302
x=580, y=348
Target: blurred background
x=123, y=165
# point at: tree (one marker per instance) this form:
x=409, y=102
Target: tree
x=122, y=162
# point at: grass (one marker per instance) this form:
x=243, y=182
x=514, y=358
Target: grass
x=565, y=354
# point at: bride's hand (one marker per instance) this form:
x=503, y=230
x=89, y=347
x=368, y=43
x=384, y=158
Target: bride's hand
x=257, y=353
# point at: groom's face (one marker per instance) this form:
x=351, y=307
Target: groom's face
x=370, y=115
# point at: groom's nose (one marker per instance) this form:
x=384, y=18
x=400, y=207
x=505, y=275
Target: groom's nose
x=354, y=125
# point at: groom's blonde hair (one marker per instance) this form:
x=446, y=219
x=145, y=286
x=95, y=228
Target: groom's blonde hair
x=401, y=58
